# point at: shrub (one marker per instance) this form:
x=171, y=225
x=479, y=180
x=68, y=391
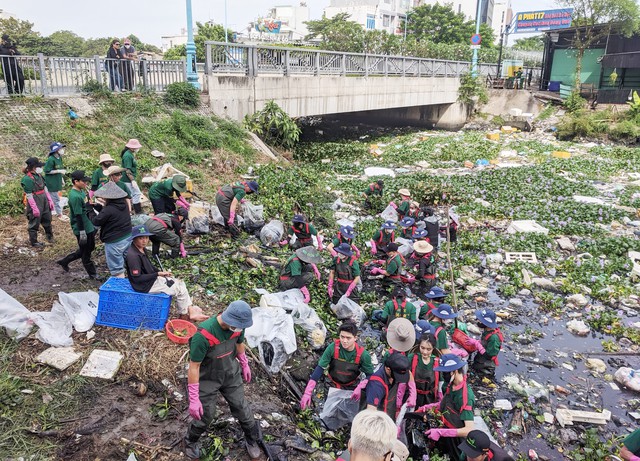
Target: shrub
x=274, y=125
x=581, y=123
x=626, y=130
x=472, y=90
x=182, y=94
x=94, y=88
x=574, y=102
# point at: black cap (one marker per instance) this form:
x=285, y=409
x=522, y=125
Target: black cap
x=33, y=162
x=392, y=247
x=399, y=365
x=183, y=212
x=380, y=182
x=477, y=443
x=79, y=175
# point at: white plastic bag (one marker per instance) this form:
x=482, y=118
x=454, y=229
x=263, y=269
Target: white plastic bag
x=405, y=246
x=14, y=317
x=273, y=334
x=389, y=214
x=288, y=300
x=339, y=410
x=253, y=216
x=348, y=309
x=272, y=233
x=198, y=225
x=628, y=377
x=81, y=308
x=54, y=327
x=308, y=319
x=215, y=215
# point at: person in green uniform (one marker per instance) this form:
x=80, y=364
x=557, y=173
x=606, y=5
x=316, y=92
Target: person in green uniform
x=407, y=226
x=441, y=317
x=218, y=365
x=414, y=210
x=396, y=307
x=422, y=364
x=405, y=204
x=81, y=225
x=344, y=277
x=374, y=189
x=114, y=175
x=99, y=177
x=345, y=361
x=423, y=264
x=382, y=387
x=434, y=297
x=230, y=196
x=128, y=162
x=491, y=341
x=630, y=450
x=304, y=232
x=299, y=270
x=347, y=235
x=54, y=176
x=420, y=235
x=38, y=201
x=479, y=447
x=392, y=266
x=161, y=194
x=455, y=408
x=382, y=238
x=167, y=228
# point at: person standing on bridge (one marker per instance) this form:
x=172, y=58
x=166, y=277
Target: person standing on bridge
x=129, y=56
x=11, y=71
x=112, y=63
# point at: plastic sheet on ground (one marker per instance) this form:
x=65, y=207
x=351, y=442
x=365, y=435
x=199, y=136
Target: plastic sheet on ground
x=348, y=309
x=273, y=334
x=253, y=216
x=55, y=328
x=405, y=246
x=389, y=214
x=526, y=388
x=81, y=308
x=288, y=300
x=14, y=317
x=272, y=233
x=628, y=377
x=339, y=410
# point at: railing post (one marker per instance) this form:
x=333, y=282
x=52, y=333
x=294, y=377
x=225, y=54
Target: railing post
x=366, y=65
x=253, y=62
x=317, y=57
x=386, y=66
x=207, y=59
x=43, y=74
x=343, y=69
x=96, y=64
x=419, y=68
x=184, y=69
x=143, y=69
x=287, y=71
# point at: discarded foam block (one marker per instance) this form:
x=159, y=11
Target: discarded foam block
x=527, y=226
x=567, y=417
x=102, y=364
x=515, y=112
x=511, y=257
x=59, y=358
x=378, y=171
x=560, y=154
x=493, y=136
x=506, y=129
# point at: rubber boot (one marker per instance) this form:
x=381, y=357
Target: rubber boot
x=155, y=248
x=49, y=232
x=92, y=271
x=251, y=443
x=33, y=238
x=192, y=444
x=137, y=208
x=175, y=253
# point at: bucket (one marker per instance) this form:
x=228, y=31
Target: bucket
x=180, y=331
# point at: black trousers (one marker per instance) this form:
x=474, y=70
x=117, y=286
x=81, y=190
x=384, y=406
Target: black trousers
x=83, y=252
x=163, y=205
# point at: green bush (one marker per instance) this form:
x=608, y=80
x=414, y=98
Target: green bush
x=626, y=130
x=94, y=88
x=274, y=125
x=574, y=102
x=471, y=88
x=182, y=94
x=581, y=123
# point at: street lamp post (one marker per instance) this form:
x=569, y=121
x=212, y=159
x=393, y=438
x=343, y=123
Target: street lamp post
x=192, y=74
x=474, y=60
x=226, y=33
x=503, y=33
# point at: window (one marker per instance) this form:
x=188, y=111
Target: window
x=386, y=20
x=371, y=22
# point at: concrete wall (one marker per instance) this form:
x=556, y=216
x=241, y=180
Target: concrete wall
x=500, y=101
x=236, y=96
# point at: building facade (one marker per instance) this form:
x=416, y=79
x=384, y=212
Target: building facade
x=281, y=24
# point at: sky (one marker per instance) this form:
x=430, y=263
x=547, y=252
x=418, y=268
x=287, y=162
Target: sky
x=151, y=19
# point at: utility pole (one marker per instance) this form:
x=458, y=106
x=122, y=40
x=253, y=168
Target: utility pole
x=474, y=60
x=503, y=33
x=192, y=74
x=226, y=30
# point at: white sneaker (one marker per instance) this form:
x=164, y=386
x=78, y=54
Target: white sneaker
x=63, y=218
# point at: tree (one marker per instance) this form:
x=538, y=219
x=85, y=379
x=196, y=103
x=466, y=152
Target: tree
x=596, y=19
x=337, y=33
x=96, y=46
x=21, y=33
x=63, y=43
x=206, y=32
x=141, y=46
x=175, y=53
x=535, y=43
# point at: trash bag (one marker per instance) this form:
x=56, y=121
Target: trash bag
x=288, y=300
x=215, y=215
x=253, y=216
x=273, y=334
x=272, y=233
x=198, y=225
x=339, y=410
x=139, y=219
x=389, y=214
x=628, y=377
x=348, y=309
x=405, y=246
x=54, y=327
x=81, y=308
x=14, y=317
x=308, y=319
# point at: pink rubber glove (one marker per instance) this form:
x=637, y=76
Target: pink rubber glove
x=283, y=242
x=183, y=203
x=478, y=345
x=316, y=271
x=195, y=406
x=51, y=205
x=307, y=296
x=379, y=261
x=305, y=401
x=183, y=250
x=34, y=208
x=232, y=217
x=402, y=388
x=435, y=434
x=319, y=240
x=357, y=392
x=330, y=288
x=333, y=252
x=393, y=205
x=244, y=364
x=439, y=396
x=356, y=250
x=376, y=271
x=352, y=287
x=429, y=406
x=413, y=395
x=460, y=352
x=243, y=200
x=91, y=192
x=374, y=248
x=634, y=458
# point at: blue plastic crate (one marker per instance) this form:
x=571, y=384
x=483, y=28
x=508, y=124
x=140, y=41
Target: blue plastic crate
x=122, y=307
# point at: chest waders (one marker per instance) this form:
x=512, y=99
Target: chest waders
x=343, y=374
x=427, y=381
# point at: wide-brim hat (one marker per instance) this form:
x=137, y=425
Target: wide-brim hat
x=476, y=444
x=401, y=334
x=407, y=221
x=422, y=247
x=345, y=249
x=487, y=317
x=444, y=311
x=309, y=255
x=33, y=162
x=238, y=315
x=399, y=365
x=179, y=183
x=253, y=186
x=347, y=232
x=419, y=234
x=435, y=292
x=405, y=192
x=110, y=191
x=133, y=144
x=299, y=218
x=449, y=362
x=388, y=225
x=105, y=158
x=400, y=451
x=113, y=169
x=423, y=327
x=140, y=231
x=55, y=147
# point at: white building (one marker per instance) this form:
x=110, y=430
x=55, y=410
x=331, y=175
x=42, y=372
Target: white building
x=283, y=23
x=373, y=14
x=169, y=41
x=502, y=16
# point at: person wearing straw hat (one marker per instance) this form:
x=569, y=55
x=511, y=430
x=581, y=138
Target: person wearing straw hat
x=128, y=162
x=392, y=265
x=407, y=224
x=454, y=223
x=434, y=296
x=161, y=194
x=218, y=364
x=99, y=177
x=373, y=438
x=167, y=228
x=81, y=226
x=114, y=220
x=37, y=200
x=374, y=189
x=381, y=392
x=145, y=278
x=455, y=408
x=54, y=176
x=347, y=235
x=478, y=447
x=491, y=341
x=382, y=238
x=423, y=263
x=405, y=204
x=230, y=196
x=414, y=210
x=304, y=232
x=114, y=175
x=299, y=270
x=344, y=277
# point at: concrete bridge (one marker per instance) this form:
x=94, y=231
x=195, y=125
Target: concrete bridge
x=241, y=79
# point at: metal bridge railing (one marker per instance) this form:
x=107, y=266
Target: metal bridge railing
x=253, y=60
